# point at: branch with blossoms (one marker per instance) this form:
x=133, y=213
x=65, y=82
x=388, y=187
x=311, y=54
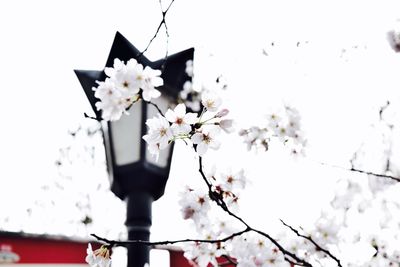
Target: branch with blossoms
x=389, y=127
x=285, y=127
x=313, y=242
x=217, y=195
x=112, y=243
x=128, y=83
x=352, y=196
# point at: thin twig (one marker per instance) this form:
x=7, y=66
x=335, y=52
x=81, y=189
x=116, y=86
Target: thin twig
x=90, y=117
x=168, y=242
x=164, y=13
x=156, y=106
x=397, y=179
x=163, y=22
x=352, y=169
x=327, y=252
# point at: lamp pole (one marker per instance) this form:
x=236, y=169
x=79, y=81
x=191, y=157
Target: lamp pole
x=135, y=175
x=138, y=222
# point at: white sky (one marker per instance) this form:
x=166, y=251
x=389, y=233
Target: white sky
x=340, y=74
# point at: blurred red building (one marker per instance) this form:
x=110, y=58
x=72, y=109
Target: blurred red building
x=32, y=250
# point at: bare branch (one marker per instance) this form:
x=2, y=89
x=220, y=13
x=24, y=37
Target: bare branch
x=163, y=22
x=397, y=179
x=156, y=106
x=352, y=169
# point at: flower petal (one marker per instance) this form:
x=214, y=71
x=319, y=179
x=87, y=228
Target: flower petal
x=201, y=149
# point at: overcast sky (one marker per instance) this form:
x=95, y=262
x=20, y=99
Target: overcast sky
x=330, y=59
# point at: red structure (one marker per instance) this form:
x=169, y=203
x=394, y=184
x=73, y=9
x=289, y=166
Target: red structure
x=26, y=249
x=21, y=248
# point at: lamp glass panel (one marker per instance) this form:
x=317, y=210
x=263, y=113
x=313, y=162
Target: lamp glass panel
x=126, y=136
x=163, y=104
x=107, y=149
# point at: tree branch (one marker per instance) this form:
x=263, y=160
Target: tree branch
x=327, y=252
x=218, y=199
x=163, y=22
x=397, y=179
x=352, y=169
x=113, y=243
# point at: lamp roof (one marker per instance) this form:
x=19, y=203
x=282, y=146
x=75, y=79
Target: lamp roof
x=173, y=72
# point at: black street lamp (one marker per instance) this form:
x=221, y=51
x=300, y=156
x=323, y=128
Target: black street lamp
x=135, y=175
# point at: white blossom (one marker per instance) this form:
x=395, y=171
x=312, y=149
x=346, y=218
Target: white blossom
x=127, y=78
x=205, y=139
x=326, y=231
x=112, y=103
x=181, y=121
x=193, y=205
x=98, y=258
x=159, y=134
x=231, y=181
x=211, y=101
x=122, y=87
x=203, y=254
x=189, y=68
x=151, y=80
x=227, y=125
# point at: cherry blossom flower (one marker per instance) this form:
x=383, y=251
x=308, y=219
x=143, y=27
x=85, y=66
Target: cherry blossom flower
x=120, y=90
x=222, y=113
x=283, y=126
x=326, y=232
x=151, y=79
x=226, y=125
x=273, y=120
x=211, y=101
x=189, y=68
x=255, y=137
x=203, y=254
x=98, y=258
x=205, y=139
x=159, y=134
x=252, y=250
x=112, y=104
x=127, y=78
x=191, y=95
x=194, y=205
x=181, y=121
x=232, y=181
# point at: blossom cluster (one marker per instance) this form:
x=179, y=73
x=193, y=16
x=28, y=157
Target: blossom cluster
x=193, y=89
x=227, y=184
x=282, y=126
x=246, y=250
x=125, y=84
x=178, y=124
x=253, y=250
x=98, y=258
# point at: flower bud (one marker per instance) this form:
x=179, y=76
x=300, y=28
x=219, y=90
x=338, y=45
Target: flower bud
x=394, y=40
x=226, y=125
x=222, y=113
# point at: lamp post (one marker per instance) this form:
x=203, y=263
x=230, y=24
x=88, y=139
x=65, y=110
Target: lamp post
x=135, y=175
